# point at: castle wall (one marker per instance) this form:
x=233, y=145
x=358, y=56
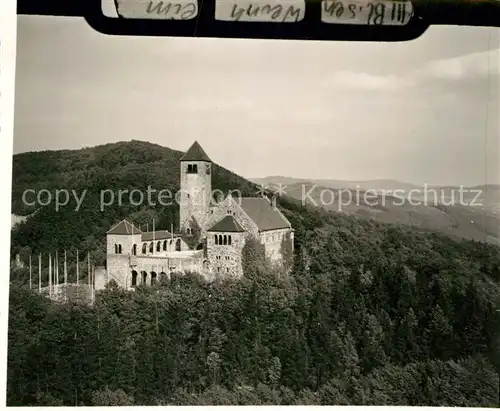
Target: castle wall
x=120, y=268
x=226, y=259
x=171, y=246
x=126, y=241
x=101, y=278
x=272, y=243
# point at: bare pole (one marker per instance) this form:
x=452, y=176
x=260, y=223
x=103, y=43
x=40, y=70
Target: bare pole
x=40, y=273
x=93, y=284
x=77, y=268
x=50, y=275
x=30, y=271
x=65, y=277
x=56, y=272
x=88, y=267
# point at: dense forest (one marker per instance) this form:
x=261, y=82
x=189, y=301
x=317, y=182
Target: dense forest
x=369, y=314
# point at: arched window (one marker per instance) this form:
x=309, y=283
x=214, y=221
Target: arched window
x=178, y=245
x=164, y=245
x=216, y=240
x=220, y=240
x=134, y=249
x=144, y=248
x=116, y=248
x=189, y=231
x=134, y=278
x=153, y=278
x=158, y=246
x=225, y=240
x=229, y=240
x=163, y=277
x=144, y=277
x=151, y=248
x=119, y=248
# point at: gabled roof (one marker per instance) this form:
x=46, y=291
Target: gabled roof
x=124, y=228
x=158, y=235
x=227, y=225
x=195, y=153
x=263, y=214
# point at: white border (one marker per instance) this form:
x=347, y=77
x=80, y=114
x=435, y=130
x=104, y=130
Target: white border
x=8, y=32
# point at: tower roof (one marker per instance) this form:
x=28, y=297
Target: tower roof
x=228, y=225
x=195, y=153
x=124, y=228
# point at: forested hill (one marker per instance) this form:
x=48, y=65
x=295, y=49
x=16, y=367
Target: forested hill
x=370, y=314
x=102, y=169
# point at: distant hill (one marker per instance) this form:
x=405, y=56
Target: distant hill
x=471, y=218
x=377, y=184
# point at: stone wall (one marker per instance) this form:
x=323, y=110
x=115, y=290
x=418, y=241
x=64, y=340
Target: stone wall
x=226, y=260
x=272, y=242
x=121, y=268
x=171, y=242
x=126, y=241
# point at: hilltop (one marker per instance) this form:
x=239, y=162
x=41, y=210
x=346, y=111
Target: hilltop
x=133, y=165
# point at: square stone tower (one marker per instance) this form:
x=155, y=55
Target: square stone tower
x=225, y=242
x=196, y=189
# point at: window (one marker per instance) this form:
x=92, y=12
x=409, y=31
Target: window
x=192, y=169
x=158, y=246
x=164, y=245
x=225, y=240
x=189, y=231
x=134, y=278
x=218, y=269
x=151, y=248
x=144, y=248
x=216, y=240
x=116, y=248
x=229, y=240
x=119, y=248
x=207, y=169
x=134, y=249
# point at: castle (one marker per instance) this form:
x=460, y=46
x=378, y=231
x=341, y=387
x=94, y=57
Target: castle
x=219, y=229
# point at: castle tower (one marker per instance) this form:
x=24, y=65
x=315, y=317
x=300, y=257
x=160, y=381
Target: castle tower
x=196, y=189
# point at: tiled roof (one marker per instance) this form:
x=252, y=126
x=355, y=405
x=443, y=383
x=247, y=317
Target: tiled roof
x=195, y=153
x=124, y=228
x=263, y=214
x=228, y=225
x=158, y=235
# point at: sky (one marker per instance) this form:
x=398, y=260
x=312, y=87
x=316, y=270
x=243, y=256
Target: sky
x=424, y=111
